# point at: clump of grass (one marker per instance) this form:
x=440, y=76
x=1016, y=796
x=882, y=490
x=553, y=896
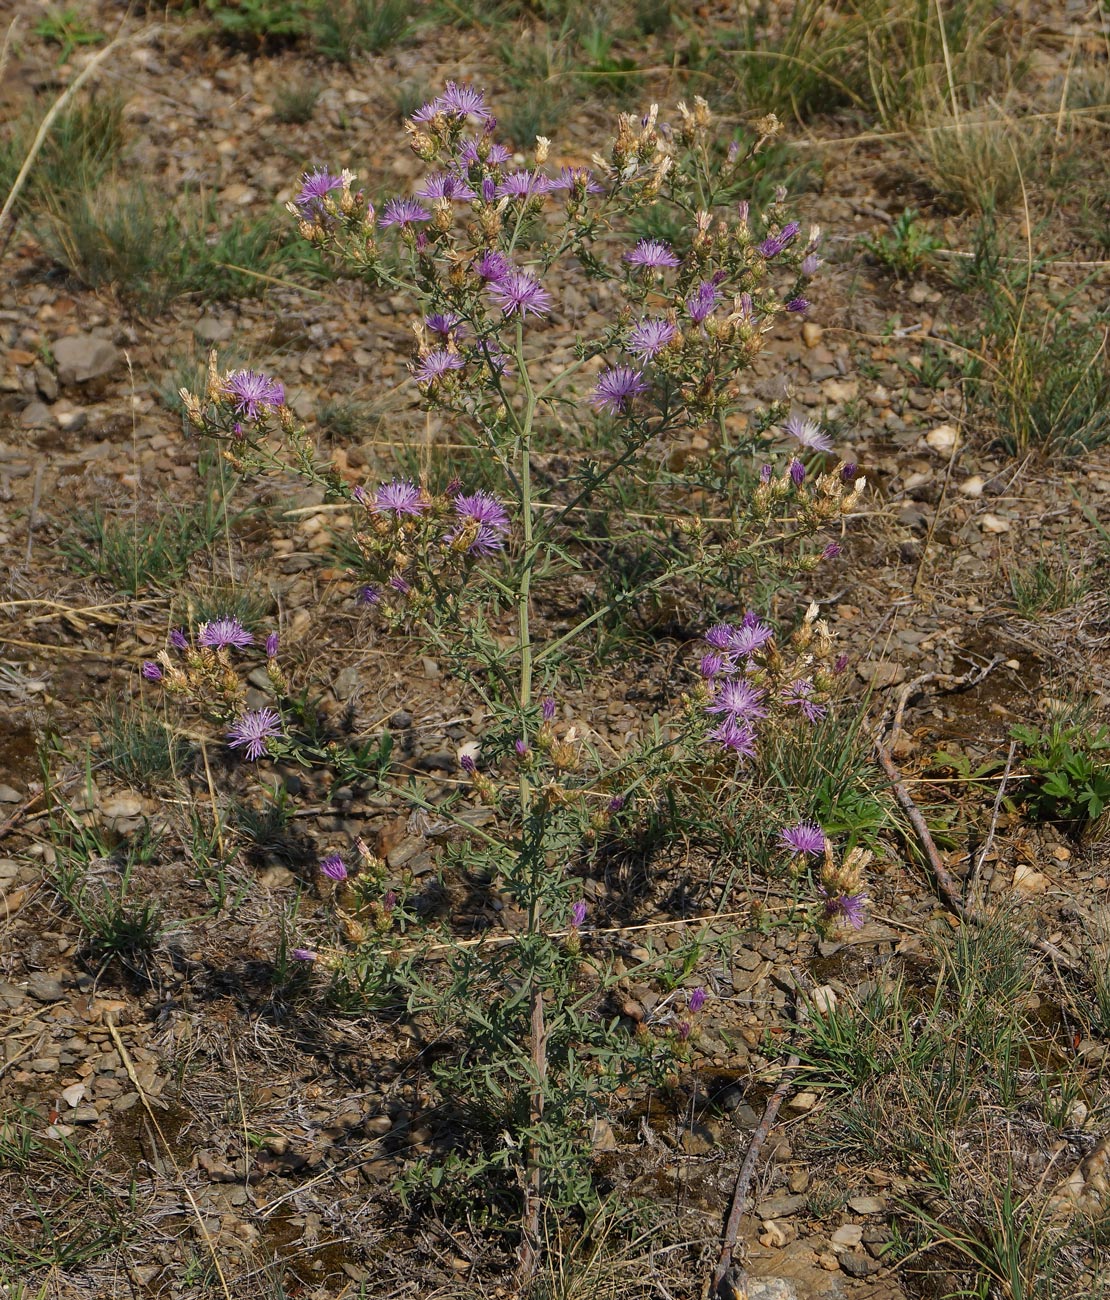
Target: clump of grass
x=976, y=160
x=907, y=248
x=345, y=29
x=138, y=746
x=83, y=144
x=295, y=103
x=1046, y=586
x=67, y=28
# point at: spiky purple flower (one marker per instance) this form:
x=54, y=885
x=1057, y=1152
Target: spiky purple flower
x=577, y=913
x=314, y=185
x=800, y=694
x=442, y=185
x=839, y=664
x=443, y=323
x=808, y=433
x=178, y=639
x=851, y=909
x=848, y=472
x=797, y=472
x=435, y=365
x=400, y=497
x=492, y=266
x=810, y=263
x=576, y=178
x=463, y=101
x=650, y=337
x=399, y=585
x=524, y=185
x=520, y=293
x=616, y=389
x=252, y=391
x=521, y=748
x=775, y=244
x=805, y=837
x=272, y=643
x=752, y=635
x=467, y=763
x=720, y=636
x=333, y=867
x=369, y=596
x=547, y=709
x=711, y=666
x=702, y=301
x=226, y=631
x=765, y=472
x=739, y=699
x=471, y=152
x=697, y=1000
x=616, y=803
x=304, y=954
x=483, y=515
x=652, y=254
x=831, y=551
x=403, y=212
x=151, y=671
x=253, y=730
x=736, y=736
x=798, y=305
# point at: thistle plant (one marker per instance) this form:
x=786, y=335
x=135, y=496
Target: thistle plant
x=483, y=249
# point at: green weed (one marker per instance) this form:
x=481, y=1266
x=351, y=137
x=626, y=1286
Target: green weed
x=1069, y=769
x=138, y=746
x=351, y=27
x=908, y=248
x=295, y=103
x=67, y=28
x=1046, y=586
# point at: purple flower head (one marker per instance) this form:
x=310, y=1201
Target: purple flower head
x=487, y=517
x=426, y=112
x=547, y=709
x=798, y=305
x=577, y=913
x=616, y=389
x=743, y=208
x=400, y=497
x=519, y=292
x=683, y=1031
x=839, y=664
x=468, y=765
x=711, y=665
x=389, y=900
x=650, y=337
x=831, y=551
x=333, y=867
x=358, y=493
x=652, y=254
x=616, y=803
x=752, y=635
x=739, y=699
x=797, y=472
x=151, y=671
x=851, y=909
x=252, y=392
x=702, y=301
x=489, y=190
x=495, y=154
x=775, y=244
x=492, y=266
x=697, y=1001
x=369, y=596
x=800, y=694
x=808, y=433
x=765, y=473
x=226, y=631
x=178, y=639
x=524, y=185
x=810, y=263
x=848, y=472
x=805, y=837
x=403, y=212
x=314, y=185
x=443, y=323
x=463, y=101
x=720, y=636
x=436, y=365
x=739, y=737
x=521, y=747
x=571, y=178
x=272, y=642
x=253, y=730
x=399, y=585
x=442, y=185
x=304, y=954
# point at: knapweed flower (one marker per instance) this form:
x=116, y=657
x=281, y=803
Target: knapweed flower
x=805, y=837
x=403, y=212
x=797, y=473
x=252, y=392
x=577, y=913
x=492, y=266
x=616, y=389
x=333, y=867
x=470, y=152
x=272, y=642
x=400, y=497
x=463, y=101
x=697, y=1000
x=435, y=365
x=369, y=596
x=572, y=178
x=650, y=337
x=483, y=520
x=739, y=699
x=253, y=730
x=810, y=263
x=720, y=636
x=314, y=185
x=521, y=748
x=442, y=185
x=616, y=804
x=736, y=736
x=520, y=293
x=399, y=585
x=799, y=693
x=702, y=301
x=798, y=305
x=547, y=709
x=304, y=954
x=848, y=472
x=652, y=254
x=752, y=635
x=851, y=909
x=221, y=632
x=808, y=433
x=831, y=551
x=151, y=671
x=711, y=665
x=178, y=639
x=775, y=244
x=443, y=323
x=524, y=185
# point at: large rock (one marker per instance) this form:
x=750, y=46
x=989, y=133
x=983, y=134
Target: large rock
x=82, y=357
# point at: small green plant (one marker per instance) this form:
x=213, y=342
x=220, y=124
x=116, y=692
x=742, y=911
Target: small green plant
x=1069, y=769
x=67, y=28
x=907, y=248
x=295, y=103
x=1046, y=586
x=139, y=746
x=257, y=23
x=348, y=28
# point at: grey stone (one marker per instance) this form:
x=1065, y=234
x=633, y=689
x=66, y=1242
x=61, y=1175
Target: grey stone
x=771, y=1288
x=213, y=329
x=36, y=416
x=45, y=988
x=46, y=381
x=781, y=1207
x=859, y=1265
x=82, y=357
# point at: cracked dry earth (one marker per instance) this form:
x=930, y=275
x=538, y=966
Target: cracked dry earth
x=205, y=1112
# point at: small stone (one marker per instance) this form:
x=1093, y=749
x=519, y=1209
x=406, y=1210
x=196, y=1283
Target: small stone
x=942, y=438
x=276, y=878
x=880, y=674
x=859, y=1264
x=85, y=1115
x=972, y=487
x=45, y=988
x=602, y=1137
x=812, y=333
x=803, y=1103
x=771, y=1288
x=36, y=416
x=9, y=794
x=81, y=357
x=1028, y=881
x=74, y=1094
x=45, y=1064
x=848, y=1236
x=867, y=1204
x=122, y=807
x=798, y=1180
x=71, y=420
x=212, y=329
x=993, y=524
x=781, y=1207
x=823, y=999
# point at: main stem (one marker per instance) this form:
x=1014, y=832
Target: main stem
x=533, y=1188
